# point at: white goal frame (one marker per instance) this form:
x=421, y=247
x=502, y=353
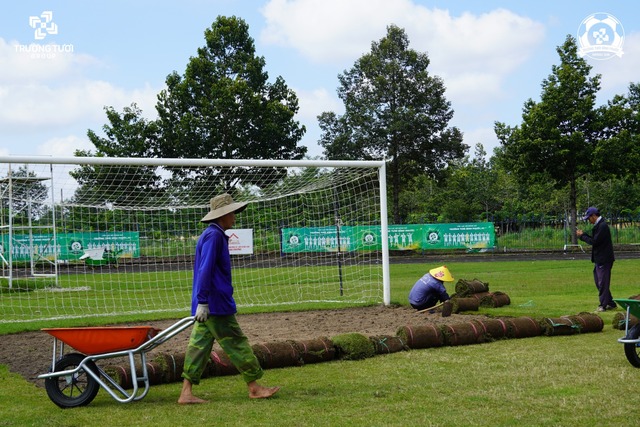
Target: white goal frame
x=380, y=166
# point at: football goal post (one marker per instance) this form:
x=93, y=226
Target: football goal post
x=117, y=236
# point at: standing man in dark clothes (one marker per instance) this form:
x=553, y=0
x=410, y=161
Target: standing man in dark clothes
x=601, y=256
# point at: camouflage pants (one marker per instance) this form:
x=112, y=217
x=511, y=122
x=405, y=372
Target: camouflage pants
x=234, y=343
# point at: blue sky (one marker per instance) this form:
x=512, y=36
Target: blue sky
x=492, y=56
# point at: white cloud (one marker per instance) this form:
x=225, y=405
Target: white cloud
x=485, y=136
x=22, y=65
x=327, y=31
x=314, y=102
x=472, y=53
x=39, y=94
x=42, y=106
x=63, y=146
x=617, y=72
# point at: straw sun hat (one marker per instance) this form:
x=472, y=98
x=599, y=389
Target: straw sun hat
x=222, y=205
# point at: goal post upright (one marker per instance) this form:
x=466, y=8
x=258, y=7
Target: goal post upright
x=384, y=235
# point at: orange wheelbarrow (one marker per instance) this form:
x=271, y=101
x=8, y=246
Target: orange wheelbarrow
x=74, y=379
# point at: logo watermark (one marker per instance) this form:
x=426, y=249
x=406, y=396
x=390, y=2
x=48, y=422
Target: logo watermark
x=600, y=37
x=43, y=26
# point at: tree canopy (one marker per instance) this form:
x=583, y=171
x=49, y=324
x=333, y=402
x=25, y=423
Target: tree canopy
x=222, y=107
x=394, y=109
x=558, y=134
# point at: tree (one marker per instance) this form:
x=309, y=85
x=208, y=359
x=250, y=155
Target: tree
x=558, y=134
x=28, y=193
x=127, y=135
x=394, y=109
x=224, y=108
x=618, y=150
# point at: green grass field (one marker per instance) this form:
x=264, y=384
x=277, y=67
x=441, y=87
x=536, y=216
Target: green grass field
x=579, y=380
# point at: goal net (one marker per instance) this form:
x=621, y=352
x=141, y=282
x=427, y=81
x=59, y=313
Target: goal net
x=109, y=237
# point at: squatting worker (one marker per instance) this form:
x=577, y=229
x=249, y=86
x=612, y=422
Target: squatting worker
x=601, y=256
x=429, y=289
x=214, y=308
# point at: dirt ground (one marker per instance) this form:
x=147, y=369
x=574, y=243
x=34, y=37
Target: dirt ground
x=29, y=354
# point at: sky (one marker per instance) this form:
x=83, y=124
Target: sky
x=491, y=55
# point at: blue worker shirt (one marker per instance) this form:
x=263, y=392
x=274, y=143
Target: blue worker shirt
x=212, y=273
x=427, y=288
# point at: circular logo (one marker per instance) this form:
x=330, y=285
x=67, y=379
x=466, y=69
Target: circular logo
x=433, y=237
x=75, y=246
x=294, y=240
x=600, y=36
x=368, y=238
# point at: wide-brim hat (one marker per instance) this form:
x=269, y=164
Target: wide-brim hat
x=441, y=273
x=222, y=205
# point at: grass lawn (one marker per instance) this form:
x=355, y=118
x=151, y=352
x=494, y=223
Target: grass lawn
x=579, y=380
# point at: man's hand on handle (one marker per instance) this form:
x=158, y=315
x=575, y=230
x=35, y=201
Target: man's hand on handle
x=202, y=312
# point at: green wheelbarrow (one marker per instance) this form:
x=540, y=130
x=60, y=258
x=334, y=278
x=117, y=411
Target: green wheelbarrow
x=631, y=339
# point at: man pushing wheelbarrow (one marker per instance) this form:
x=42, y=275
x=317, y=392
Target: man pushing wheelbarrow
x=214, y=307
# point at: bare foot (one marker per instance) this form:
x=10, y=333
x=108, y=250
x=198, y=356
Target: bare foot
x=260, y=392
x=190, y=400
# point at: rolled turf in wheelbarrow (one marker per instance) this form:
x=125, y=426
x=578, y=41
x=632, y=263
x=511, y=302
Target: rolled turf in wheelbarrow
x=421, y=336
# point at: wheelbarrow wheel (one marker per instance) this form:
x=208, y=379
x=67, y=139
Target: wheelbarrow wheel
x=78, y=389
x=631, y=351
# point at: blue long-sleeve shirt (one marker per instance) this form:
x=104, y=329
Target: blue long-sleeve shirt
x=212, y=273
x=427, y=287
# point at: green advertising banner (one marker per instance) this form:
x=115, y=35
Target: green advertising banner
x=470, y=236
x=316, y=239
x=73, y=246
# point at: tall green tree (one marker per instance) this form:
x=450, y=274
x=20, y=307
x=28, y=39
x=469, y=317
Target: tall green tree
x=558, y=134
x=224, y=107
x=394, y=109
